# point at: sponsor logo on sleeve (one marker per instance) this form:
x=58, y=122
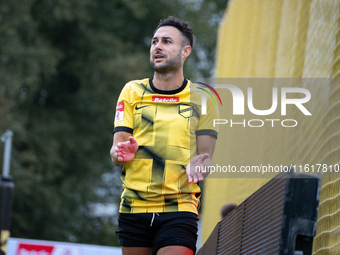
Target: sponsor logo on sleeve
x=120, y=111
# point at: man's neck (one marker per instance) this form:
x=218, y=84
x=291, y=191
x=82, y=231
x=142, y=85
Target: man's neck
x=168, y=81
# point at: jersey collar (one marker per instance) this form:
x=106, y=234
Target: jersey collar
x=168, y=92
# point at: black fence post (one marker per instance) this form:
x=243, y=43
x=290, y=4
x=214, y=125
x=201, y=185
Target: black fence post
x=6, y=193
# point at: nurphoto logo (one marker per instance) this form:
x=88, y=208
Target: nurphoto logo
x=278, y=102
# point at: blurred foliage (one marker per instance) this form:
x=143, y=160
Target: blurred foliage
x=62, y=66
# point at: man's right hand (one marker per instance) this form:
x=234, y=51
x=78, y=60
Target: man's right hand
x=126, y=150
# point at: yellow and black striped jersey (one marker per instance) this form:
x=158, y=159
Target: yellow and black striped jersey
x=165, y=125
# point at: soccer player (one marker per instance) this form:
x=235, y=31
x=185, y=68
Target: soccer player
x=165, y=144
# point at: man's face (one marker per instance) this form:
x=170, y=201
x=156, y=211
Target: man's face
x=166, y=50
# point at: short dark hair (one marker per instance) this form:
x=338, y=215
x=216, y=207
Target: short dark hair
x=181, y=25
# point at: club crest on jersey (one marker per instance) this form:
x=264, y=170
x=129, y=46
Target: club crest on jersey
x=120, y=111
x=163, y=99
x=185, y=110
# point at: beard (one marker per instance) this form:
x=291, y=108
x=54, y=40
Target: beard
x=170, y=65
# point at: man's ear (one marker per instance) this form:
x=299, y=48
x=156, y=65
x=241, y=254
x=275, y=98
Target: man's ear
x=186, y=50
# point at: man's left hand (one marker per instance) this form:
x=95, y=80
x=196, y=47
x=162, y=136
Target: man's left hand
x=197, y=169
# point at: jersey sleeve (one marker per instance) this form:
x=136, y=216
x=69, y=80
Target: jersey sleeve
x=124, y=111
x=206, y=122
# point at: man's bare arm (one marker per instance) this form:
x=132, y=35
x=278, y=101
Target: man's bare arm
x=206, y=144
x=197, y=170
